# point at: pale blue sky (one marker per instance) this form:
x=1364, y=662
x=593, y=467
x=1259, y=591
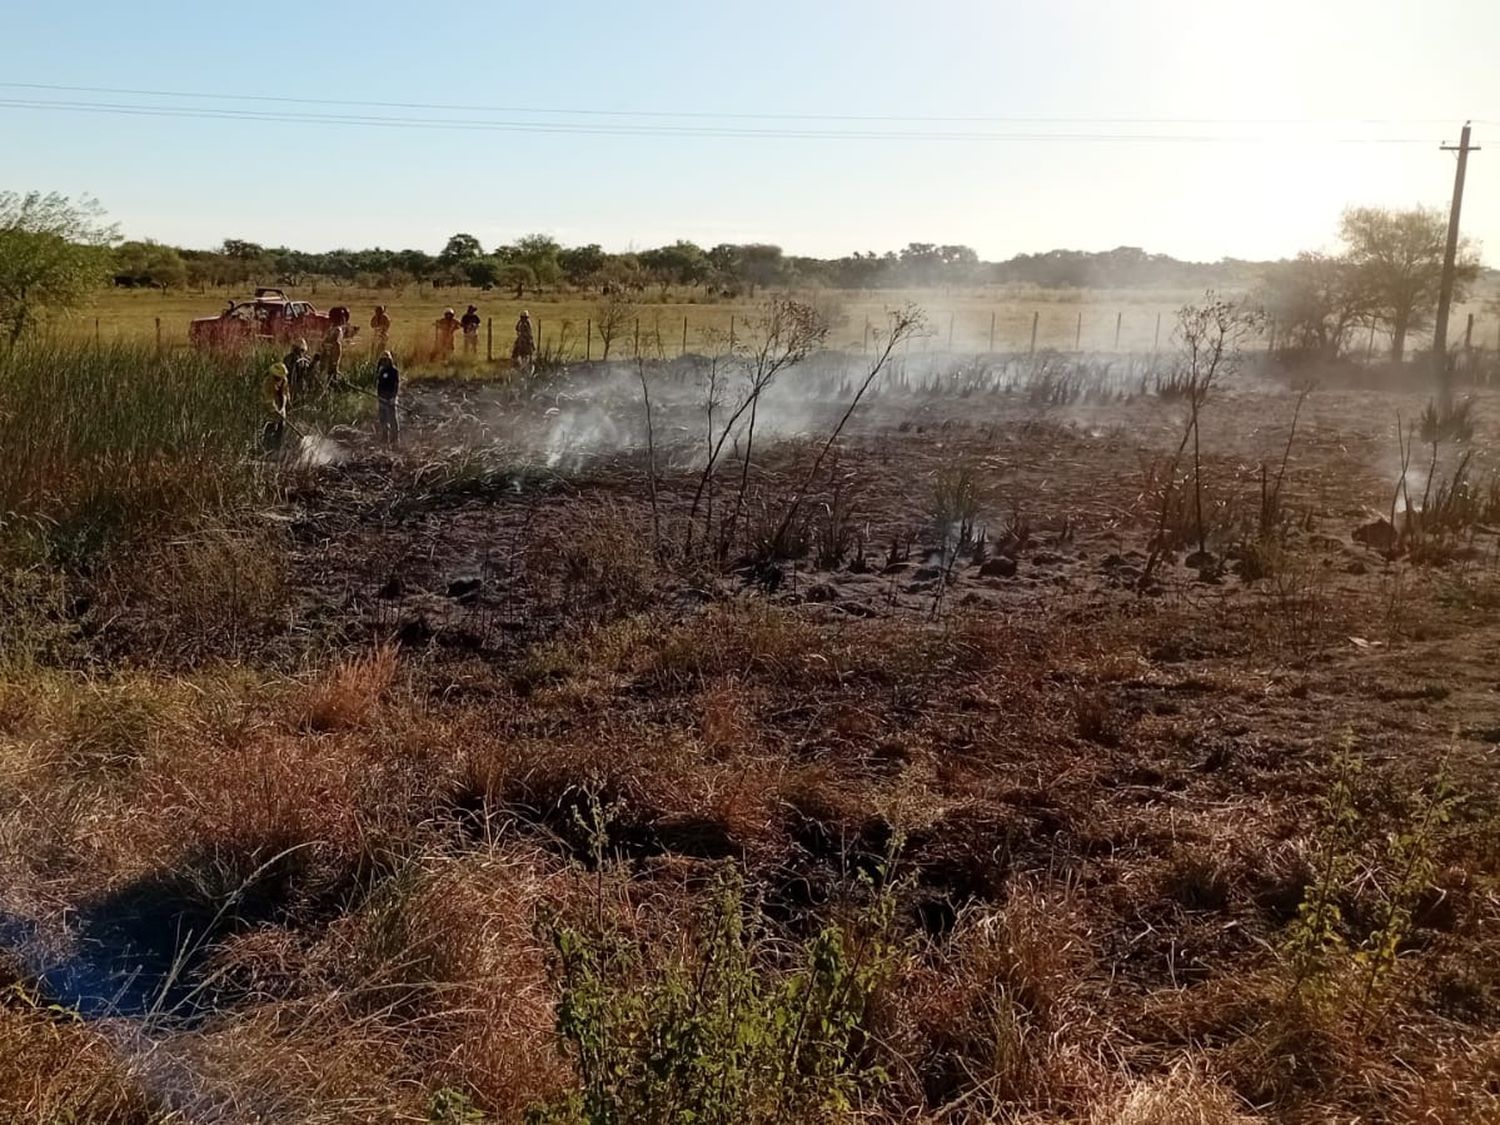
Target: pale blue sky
x=1288, y=90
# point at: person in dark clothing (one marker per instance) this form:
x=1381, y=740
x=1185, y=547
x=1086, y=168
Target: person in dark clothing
x=299, y=366
x=471, y=322
x=387, y=388
x=525, y=346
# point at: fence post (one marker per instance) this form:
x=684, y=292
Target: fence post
x=731, y=331
x=992, y=331
x=1078, y=334
x=684, y=334
x=950, y=331
x=1035, y=316
x=1469, y=341
x=537, y=347
x=1119, y=316
x=1156, y=339
x=489, y=339
x=158, y=334
x=96, y=332
x=637, y=337
x=864, y=342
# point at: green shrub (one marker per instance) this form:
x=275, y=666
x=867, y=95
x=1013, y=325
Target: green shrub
x=726, y=1033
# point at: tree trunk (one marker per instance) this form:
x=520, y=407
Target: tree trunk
x=1398, y=341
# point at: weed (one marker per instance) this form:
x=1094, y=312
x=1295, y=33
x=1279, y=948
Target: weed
x=717, y=1034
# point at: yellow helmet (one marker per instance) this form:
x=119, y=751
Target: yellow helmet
x=279, y=369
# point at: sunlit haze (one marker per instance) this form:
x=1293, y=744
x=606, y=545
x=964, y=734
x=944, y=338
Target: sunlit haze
x=1199, y=130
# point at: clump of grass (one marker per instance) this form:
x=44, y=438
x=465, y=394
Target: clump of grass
x=346, y=697
x=54, y=1068
x=1187, y=1095
x=1450, y=421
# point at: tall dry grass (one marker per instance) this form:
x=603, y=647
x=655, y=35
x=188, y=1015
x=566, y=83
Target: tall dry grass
x=104, y=439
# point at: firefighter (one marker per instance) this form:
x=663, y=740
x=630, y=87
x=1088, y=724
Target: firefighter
x=299, y=365
x=387, y=388
x=380, y=328
x=525, y=346
x=278, y=392
x=470, y=324
x=333, y=354
x=447, y=327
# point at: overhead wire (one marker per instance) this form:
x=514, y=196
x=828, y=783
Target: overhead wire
x=1003, y=119
x=654, y=129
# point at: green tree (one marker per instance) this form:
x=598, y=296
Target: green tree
x=459, y=249
x=538, y=253
x=1399, y=256
x=682, y=263
x=482, y=273
x=150, y=263
x=581, y=265
x=517, y=276
x=53, y=253
x=1316, y=301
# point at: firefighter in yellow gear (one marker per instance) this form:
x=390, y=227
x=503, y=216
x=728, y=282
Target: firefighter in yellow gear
x=278, y=391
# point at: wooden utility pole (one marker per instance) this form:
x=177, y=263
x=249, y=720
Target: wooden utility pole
x=1450, y=254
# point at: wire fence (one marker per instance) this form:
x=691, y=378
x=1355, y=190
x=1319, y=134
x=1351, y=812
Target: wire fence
x=650, y=334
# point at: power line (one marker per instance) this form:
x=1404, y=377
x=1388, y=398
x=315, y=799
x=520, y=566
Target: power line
x=638, y=130
x=714, y=114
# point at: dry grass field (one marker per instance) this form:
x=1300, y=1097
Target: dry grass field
x=954, y=770
x=960, y=320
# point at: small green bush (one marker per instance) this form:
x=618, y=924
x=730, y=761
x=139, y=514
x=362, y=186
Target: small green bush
x=729, y=1033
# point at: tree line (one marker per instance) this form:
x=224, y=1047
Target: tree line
x=1384, y=274
x=540, y=262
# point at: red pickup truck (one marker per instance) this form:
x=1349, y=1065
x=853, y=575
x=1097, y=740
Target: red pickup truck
x=268, y=317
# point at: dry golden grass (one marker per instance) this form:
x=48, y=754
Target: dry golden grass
x=1184, y=1096
x=56, y=1069
x=347, y=696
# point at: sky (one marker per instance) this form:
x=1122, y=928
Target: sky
x=1202, y=130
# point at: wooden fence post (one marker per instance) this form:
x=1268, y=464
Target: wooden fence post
x=684, y=334
x=992, y=331
x=489, y=339
x=588, y=339
x=1119, y=316
x=158, y=334
x=637, y=337
x=1078, y=334
x=1156, y=339
x=1035, y=316
x=731, y=331
x=96, y=332
x=950, y=331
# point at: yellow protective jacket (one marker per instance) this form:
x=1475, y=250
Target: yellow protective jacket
x=278, y=388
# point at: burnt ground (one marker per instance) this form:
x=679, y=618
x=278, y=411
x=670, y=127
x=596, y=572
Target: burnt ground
x=976, y=654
